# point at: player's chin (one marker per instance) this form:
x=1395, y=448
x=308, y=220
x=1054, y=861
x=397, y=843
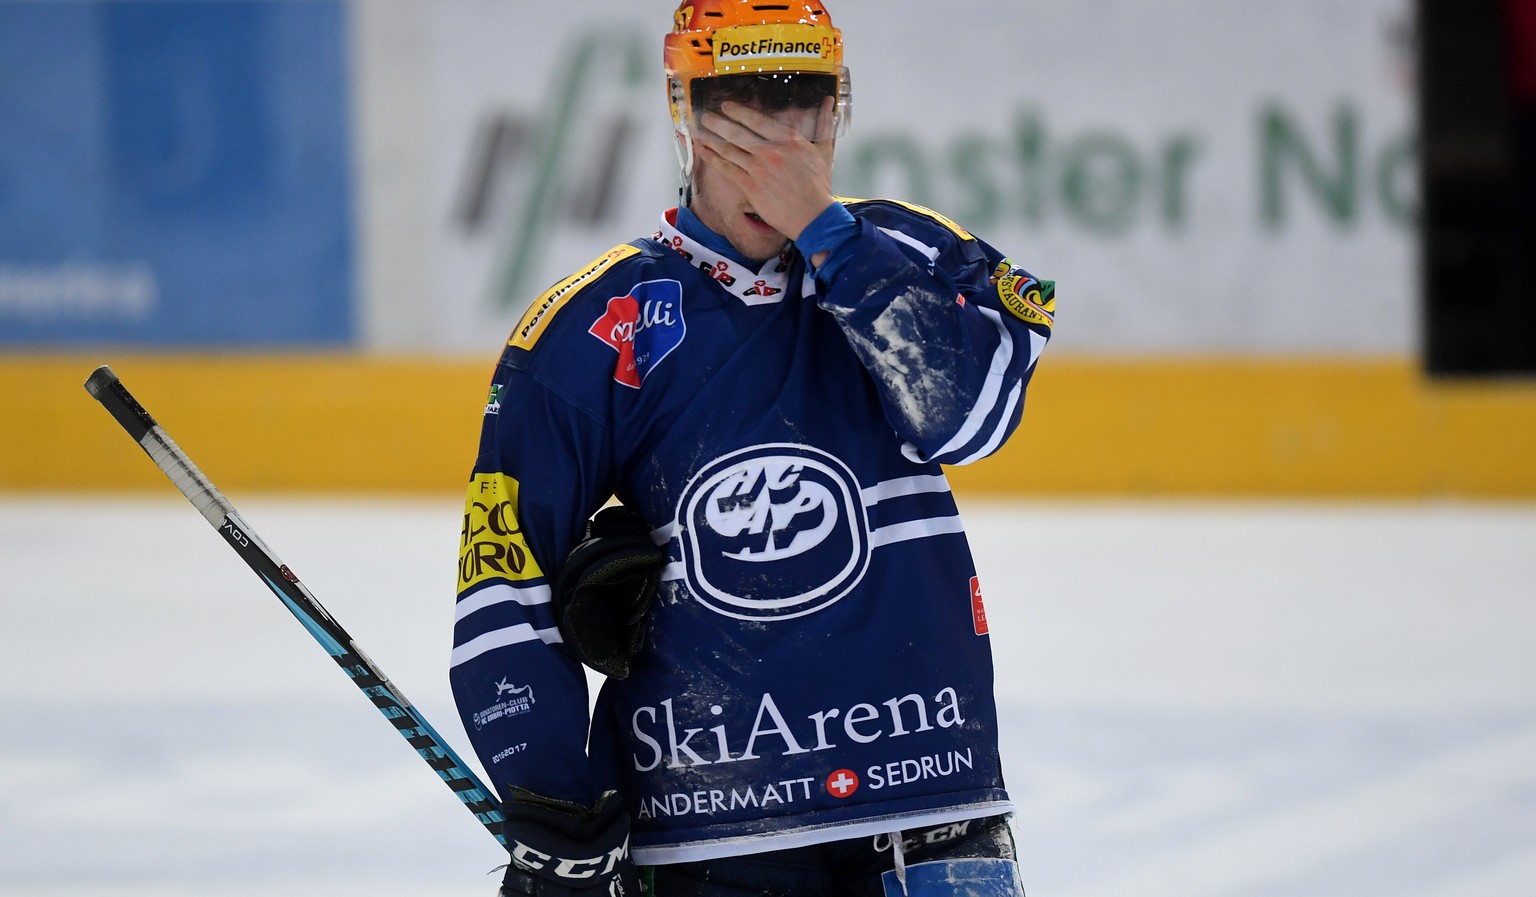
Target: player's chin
x=760, y=246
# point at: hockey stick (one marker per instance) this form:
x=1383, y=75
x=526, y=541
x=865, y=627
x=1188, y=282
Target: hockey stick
x=216, y=509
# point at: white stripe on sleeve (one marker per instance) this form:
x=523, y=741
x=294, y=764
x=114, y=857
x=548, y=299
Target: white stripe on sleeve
x=501, y=593
x=990, y=391
x=1002, y=428
x=915, y=529
x=501, y=638
x=905, y=486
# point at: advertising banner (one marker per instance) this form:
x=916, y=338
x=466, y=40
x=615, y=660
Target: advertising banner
x=174, y=174
x=1199, y=176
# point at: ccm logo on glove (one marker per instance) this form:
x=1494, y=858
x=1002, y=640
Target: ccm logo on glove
x=564, y=849
x=534, y=860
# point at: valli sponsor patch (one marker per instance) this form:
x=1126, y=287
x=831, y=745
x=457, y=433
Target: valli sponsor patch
x=644, y=327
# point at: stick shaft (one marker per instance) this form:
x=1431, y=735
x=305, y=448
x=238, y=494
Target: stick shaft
x=107, y=389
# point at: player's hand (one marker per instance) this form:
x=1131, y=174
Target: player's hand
x=561, y=849
x=604, y=589
x=786, y=176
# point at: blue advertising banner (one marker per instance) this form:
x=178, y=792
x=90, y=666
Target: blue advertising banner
x=174, y=174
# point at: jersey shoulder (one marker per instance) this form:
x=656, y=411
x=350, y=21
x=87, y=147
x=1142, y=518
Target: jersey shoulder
x=889, y=212
x=612, y=274
x=622, y=263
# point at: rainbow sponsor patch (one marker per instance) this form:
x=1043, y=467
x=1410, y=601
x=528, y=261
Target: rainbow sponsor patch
x=1031, y=301
x=790, y=48
x=536, y=319
x=491, y=543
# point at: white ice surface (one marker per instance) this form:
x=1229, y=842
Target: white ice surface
x=1223, y=699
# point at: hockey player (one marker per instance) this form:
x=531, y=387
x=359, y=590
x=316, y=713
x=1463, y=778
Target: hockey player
x=799, y=692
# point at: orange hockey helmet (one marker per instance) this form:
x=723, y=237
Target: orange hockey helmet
x=775, y=55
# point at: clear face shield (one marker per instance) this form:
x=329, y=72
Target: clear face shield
x=801, y=105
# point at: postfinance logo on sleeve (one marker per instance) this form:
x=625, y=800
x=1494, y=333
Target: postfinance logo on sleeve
x=492, y=544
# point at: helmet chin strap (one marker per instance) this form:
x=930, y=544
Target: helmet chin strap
x=684, y=146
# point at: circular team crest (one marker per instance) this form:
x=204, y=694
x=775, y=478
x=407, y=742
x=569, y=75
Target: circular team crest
x=773, y=532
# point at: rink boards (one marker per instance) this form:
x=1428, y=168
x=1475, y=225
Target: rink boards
x=1255, y=426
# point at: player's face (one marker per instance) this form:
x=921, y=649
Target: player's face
x=763, y=151
x=725, y=209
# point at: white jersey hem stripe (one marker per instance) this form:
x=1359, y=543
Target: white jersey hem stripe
x=699, y=851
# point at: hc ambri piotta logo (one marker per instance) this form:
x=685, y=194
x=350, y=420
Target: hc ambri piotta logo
x=773, y=532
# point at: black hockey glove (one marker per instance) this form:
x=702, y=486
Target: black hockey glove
x=603, y=591
x=561, y=849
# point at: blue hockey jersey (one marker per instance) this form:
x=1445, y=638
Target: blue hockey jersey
x=817, y=663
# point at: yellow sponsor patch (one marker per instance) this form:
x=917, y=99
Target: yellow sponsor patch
x=1031, y=301
x=958, y=231
x=536, y=319
x=492, y=544
x=791, y=47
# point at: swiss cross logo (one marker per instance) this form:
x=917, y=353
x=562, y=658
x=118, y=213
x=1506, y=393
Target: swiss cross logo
x=720, y=271
x=978, y=609
x=643, y=327
x=843, y=783
x=677, y=247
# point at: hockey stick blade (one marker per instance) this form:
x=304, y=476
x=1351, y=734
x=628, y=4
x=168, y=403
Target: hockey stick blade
x=107, y=389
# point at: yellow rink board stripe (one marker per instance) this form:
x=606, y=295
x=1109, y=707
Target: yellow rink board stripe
x=1272, y=427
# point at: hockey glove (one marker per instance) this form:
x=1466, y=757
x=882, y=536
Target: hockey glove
x=562, y=849
x=603, y=591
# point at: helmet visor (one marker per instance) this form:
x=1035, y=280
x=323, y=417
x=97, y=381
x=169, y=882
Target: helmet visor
x=814, y=106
